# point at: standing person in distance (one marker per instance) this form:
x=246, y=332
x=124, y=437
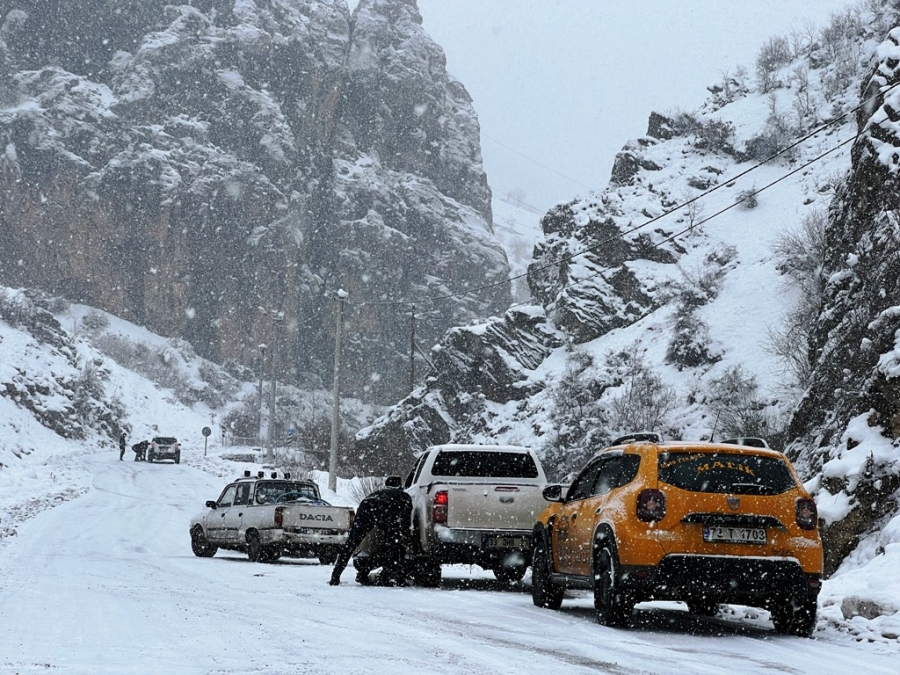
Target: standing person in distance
x=386, y=513
x=122, y=446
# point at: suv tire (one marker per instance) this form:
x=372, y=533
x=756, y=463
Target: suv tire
x=544, y=593
x=611, y=604
x=795, y=615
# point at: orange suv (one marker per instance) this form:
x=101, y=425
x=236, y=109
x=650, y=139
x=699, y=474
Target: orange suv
x=704, y=523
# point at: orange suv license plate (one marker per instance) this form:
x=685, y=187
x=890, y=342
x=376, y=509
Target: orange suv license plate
x=734, y=535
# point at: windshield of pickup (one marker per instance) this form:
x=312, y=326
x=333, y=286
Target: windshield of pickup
x=484, y=464
x=725, y=473
x=281, y=491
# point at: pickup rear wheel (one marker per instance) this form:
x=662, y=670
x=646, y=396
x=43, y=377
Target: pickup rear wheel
x=200, y=545
x=544, y=593
x=427, y=571
x=254, y=547
x=509, y=575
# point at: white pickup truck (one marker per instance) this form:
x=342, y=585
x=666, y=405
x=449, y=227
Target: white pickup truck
x=474, y=504
x=268, y=517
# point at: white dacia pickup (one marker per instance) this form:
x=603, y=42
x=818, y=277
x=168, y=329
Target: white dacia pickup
x=270, y=517
x=474, y=504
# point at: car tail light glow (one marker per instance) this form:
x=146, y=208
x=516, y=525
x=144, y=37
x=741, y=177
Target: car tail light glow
x=279, y=516
x=807, y=513
x=439, y=506
x=651, y=505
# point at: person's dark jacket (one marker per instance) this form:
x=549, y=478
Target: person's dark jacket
x=390, y=511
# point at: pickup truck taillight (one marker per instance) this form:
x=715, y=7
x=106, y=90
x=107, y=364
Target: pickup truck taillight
x=279, y=516
x=439, y=506
x=352, y=518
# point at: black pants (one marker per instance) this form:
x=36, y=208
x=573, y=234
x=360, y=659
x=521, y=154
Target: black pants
x=389, y=555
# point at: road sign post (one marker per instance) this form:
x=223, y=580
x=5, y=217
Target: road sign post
x=206, y=432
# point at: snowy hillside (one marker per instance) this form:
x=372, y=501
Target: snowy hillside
x=64, y=393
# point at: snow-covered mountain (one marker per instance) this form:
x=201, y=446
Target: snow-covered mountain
x=196, y=168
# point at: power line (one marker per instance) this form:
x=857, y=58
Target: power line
x=740, y=201
x=534, y=161
x=674, y=209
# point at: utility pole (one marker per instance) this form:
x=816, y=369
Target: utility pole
x=341, y=296
x=270, y=453
x=412, y=349
x=261, y=364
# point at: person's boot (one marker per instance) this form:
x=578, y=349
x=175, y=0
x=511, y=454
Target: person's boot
x=335, y=579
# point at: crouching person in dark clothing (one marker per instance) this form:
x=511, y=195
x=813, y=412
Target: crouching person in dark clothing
x=140, y=451
x=384, y=517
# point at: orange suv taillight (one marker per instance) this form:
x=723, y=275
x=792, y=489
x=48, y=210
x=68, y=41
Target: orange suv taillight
x=651, y=505
x=807, y=514
x=439, y=506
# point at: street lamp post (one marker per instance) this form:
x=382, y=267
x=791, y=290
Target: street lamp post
x=270, y=454
x=341, y=296
x=261, y=363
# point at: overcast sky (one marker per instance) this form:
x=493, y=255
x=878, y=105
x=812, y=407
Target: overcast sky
x=560, y=85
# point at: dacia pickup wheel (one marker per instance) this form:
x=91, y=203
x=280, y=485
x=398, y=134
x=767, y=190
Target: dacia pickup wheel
x=200, y=546
x=611, y=604
x=254, y=547
x=795, y=616
x=270, y=554
x=544, y=593
x=509, y=575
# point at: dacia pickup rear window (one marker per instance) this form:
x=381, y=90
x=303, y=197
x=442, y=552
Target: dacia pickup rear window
x=484, y=464
x=725, y=473
x=284, y=491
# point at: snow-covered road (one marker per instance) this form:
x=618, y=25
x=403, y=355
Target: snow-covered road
x=106, y=583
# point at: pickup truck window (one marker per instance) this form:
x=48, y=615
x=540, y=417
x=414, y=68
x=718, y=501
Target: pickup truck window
x=269, y=492
x=484, y=464
x=227, y=497
x=243, y=494
x=418, y=468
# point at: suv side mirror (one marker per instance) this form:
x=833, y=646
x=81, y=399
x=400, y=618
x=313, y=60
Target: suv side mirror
x=211, y=504
x=393, y=481
x=553, y=493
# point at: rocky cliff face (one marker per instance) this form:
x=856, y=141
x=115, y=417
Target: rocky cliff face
x=855, y=391
x=196, y=168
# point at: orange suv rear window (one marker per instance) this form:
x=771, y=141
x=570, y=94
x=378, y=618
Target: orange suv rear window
x=725, y=473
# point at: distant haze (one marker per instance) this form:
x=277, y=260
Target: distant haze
x=567, y=82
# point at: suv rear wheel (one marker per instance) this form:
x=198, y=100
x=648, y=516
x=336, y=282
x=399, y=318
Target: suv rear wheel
x=611, y=604
x=795, y=616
